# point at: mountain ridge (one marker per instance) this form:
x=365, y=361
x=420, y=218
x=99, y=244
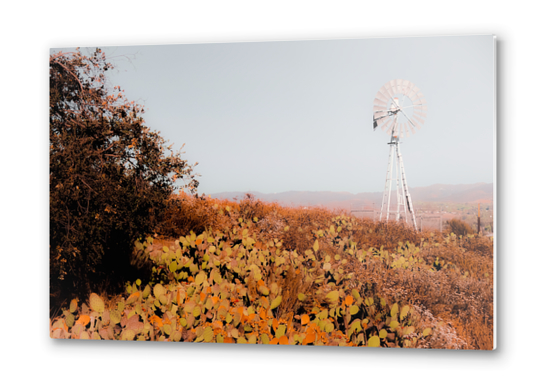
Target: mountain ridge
x=441, y=193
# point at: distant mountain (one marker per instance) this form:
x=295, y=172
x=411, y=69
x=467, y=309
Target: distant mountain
x=460, y=193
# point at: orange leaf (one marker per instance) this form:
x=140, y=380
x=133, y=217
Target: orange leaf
x=263, y=314
x=251, y=317
x=311, y=336
x=228, y=340
x=260, y=282
x=215, y=299
x=83, y=320
x=275, y=341
x=156, y=321
x=283, y=340
x=133, y=296
x=202, y=297
x=349, y=300
x=305, y=319
x=275, y=324
x=198, y=241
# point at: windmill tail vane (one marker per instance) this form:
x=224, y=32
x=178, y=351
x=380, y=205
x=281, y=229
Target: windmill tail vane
x=399, y=109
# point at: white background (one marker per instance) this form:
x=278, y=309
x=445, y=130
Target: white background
x=29, y=29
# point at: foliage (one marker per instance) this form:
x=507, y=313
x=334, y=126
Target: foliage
x=459, y=227
x=110, y=175
x=243, y=282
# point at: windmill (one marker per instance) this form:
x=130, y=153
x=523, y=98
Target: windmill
x=399, y=109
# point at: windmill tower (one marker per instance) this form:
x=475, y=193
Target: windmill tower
x=399, y=109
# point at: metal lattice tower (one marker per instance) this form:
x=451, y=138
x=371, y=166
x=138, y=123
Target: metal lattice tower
x=399, y=109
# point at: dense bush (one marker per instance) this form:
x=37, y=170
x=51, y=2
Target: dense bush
x=110, y=175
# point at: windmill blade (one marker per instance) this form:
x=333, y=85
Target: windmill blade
x=420, y=98
x=399, y=85
x=382, y=97
x=385, y=124
x=385, y=90
x=419, y=119
x=410, y=121
x=404, y=87
x=408, y=86
x=379, y=106
x=411, y=126
x=420, y=107
x=389, y=89
x=413, y=93
x=421, y=114
x=393, y=84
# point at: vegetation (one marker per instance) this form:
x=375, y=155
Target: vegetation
x=262, y=273
x=459, y=227
x=110, y=176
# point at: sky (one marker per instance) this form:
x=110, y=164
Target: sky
x=297, y=115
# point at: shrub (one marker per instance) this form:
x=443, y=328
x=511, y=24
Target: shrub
x=110, y=175
x=459, y=227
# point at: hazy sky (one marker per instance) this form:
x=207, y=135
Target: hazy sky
x=297, y=115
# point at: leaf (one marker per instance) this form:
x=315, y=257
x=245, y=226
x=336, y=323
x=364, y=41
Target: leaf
x=349, y=300
x=404, y=311
x=133, y=297
x=383, y=334
x=394, y=310
x=354, y=309
x=283, y=340
x=96, y=303
x=200, y=278
x=310, y=338
x=427, y=331
x=83, y=320
x=333, y=296
x=301, y=296
x=208, y=335
x=316, y=247
x=374, y=342
x=305, y=319
x=73, y=305
x=159, y=290
x=276, y=302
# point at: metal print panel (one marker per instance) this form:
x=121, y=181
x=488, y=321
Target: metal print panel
x=258, y=193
